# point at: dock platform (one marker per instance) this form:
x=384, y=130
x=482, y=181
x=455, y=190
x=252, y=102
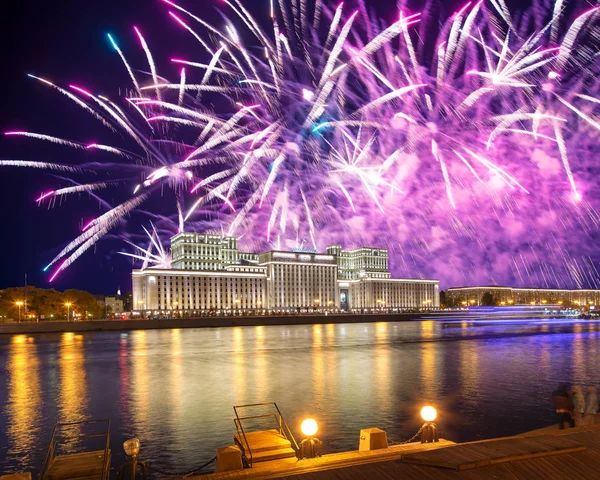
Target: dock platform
x=550, y=453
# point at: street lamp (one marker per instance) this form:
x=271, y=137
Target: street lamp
x=429, y=433
x=19, y=304
x=68, y=305
x=310, y=447
x=132, y=448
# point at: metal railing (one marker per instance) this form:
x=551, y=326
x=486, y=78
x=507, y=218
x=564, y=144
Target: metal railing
x=282, y=426
x=58, y=431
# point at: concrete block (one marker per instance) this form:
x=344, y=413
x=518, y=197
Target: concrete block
x=228, y=458
x=372, y=439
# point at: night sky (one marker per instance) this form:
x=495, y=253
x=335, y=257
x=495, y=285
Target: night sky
x=66, y=42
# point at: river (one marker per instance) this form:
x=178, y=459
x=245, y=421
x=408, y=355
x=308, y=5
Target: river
x=174, y=389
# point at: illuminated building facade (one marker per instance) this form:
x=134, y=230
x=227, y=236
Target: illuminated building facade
x=209, y=273
x=522, y=296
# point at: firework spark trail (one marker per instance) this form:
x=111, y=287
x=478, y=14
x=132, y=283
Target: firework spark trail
x=40, y=165
x=47, y=138
x=76, y=189
x=129, y=70
x=350, y=130
x=160, y=259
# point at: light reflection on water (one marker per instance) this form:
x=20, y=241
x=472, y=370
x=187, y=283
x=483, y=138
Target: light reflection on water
x=174, y=389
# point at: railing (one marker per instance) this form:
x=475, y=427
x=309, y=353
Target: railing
x=282, y=425
x=50, y=454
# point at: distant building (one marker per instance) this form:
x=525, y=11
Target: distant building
x=521, y=296
x=114, y=305
x=210, y=273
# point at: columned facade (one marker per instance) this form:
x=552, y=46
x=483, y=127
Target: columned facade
x=209, y=273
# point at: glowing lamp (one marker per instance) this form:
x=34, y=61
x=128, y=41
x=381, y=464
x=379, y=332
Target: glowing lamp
x=310, y=446
x=429, y=432
x=309, y=427
x=428, y=413
x=131, y=447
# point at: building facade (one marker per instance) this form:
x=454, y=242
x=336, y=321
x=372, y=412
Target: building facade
x=462, y=296
x=209, y=273
x=114, y=304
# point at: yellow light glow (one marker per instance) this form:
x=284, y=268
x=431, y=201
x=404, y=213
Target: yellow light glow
x=428, y=413
x=309, y=427
x=19, y=304
x=68, y=304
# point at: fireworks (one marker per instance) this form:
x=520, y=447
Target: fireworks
x=442, y=138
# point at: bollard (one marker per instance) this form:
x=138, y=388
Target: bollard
x=228, y=458
x=372, y=439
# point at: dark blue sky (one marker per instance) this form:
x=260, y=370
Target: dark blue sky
x=65, y=42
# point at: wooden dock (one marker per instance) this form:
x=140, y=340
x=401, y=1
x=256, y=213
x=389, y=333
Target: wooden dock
x=292, y=466
x=551, y=454
x=86, y=465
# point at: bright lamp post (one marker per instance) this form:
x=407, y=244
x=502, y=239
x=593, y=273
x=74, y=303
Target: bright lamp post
x=429, y=433
x=310, y=446
x=19, y=304
x=68, y=305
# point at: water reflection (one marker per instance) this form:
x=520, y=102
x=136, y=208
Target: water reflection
x=579, y=354
x=73, y=395
x=260, y=363
x=239, y=377
x=383, y=367
x=174, y=389
x=140, y=381
x=176, y=377
x=470, y=380
x=431, y=370
x=23, y=408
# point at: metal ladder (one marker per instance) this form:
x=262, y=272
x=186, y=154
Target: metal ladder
x=275, y=415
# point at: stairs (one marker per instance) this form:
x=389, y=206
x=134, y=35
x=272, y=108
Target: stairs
x=264, y=446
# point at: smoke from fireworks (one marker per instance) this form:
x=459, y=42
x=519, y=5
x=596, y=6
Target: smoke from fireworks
x=463, y=143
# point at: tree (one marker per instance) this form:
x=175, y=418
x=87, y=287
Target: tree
x=487, y=299
x=47, y=304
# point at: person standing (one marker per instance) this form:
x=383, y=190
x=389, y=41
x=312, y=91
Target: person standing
x=578, y=405
x=562, y=405
x=591, y=406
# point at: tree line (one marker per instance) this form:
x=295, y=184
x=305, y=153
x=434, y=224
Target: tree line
x=39, y=304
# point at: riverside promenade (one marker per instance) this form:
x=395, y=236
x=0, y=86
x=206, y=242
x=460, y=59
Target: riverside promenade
x=205, y=322
x=548, y=453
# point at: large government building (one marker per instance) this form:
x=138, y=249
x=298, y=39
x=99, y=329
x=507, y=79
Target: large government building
x=209, y=273
x=521, y=296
